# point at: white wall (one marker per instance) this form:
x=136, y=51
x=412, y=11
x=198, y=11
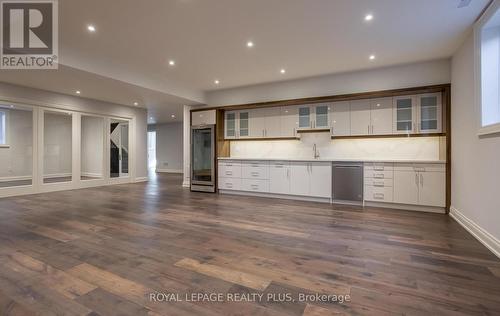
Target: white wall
x=57, y=141
x=394, y=77
x=475, y=168
x=92, y=146
x=30, y=96
x=169, y=145
x=421, y=148
x=16, y=161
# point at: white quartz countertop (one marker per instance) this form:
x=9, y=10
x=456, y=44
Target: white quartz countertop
x=336, y=159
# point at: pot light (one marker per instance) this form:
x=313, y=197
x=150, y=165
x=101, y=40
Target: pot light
x=368, y=17
x=91, y=28
x=136, y=104
x=171, y=62
x=282, y=71
x=372, y=57
x=173, y=116
x=78, y=91
x=216, y=81
x=249, y=44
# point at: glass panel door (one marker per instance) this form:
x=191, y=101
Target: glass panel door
x=243, y=120
x=322, y=116
x=16, y=146
x=202, y=152
x=404, y=114
x=304, y=117
x=57, y=151
x=119, y=148
x=430, y=113
x=230, y=124
x=92, y=148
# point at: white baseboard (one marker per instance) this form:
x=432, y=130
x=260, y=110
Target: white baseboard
x=487, y=239
x=141, y=179
x=169, y=170
x=274, y=195
x=407, y=207
x=15, y=178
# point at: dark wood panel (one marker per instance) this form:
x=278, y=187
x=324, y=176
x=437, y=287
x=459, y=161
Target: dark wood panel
x=103, y=250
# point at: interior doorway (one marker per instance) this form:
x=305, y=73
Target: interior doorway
x=152, y=151
x=119, y=148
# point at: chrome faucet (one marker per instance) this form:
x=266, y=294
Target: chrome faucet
x=316, y=152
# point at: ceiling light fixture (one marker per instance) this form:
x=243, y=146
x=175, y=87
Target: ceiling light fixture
x=216, y=81
x=171, y=62
x=78, y=92
x=368, y=17
x=91, y=28
x=249, y=44
x=173, y=116
x=283, y=71
x=136, y=104
x=372, y=57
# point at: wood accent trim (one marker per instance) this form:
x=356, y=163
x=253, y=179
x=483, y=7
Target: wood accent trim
x=223, y=145
x=447, y=117
x=314, y=130
x=389, y=136
x=262, y=139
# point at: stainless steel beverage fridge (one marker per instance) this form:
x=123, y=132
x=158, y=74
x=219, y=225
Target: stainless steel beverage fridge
x=203, y=158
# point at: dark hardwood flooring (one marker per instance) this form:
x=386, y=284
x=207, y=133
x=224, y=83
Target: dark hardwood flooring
x=102, y=251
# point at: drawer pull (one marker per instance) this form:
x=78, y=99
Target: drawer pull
x=378, y=196
x=229, y=173
x=378, y=175
x=229, y=185
x=229, y=164
x=378, y=184
x=254, y=186
x=254, y=174
x=379, y=168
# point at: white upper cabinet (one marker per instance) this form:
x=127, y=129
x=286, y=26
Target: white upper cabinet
x=289, y=121
x=272, y=121
x=230, y=128
x=321, y=116
x=341, y=119
x=429, y=113
x=203, y=118
x=404, y=114
x=360, y=117
x=381, y=116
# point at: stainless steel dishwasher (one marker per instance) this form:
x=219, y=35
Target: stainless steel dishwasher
x=347, y=183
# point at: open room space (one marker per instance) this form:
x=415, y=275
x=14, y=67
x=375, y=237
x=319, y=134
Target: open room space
x=250, y=157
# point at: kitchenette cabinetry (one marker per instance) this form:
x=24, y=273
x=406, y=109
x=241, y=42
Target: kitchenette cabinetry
x=420, y=184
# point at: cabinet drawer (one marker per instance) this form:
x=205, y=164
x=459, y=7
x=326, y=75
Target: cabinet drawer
x=255, y=170
x=380, y=194
x=229, y=184
x=379, y=166
x=255, y=185
x=379, y=182
x=279, y=164
x=423, y=167
x=229, y=170
x=383, y=174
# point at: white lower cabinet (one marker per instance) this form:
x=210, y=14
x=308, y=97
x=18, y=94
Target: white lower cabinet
x=229, y=183
x=299, y=178
x=420, y=184
x=279, y=177
x=379, y=182
x=311, y=179
x=255, y=185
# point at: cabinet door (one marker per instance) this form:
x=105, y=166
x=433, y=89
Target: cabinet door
x=432, y=188
x=243, y=124
x=289, y=121
x=279, y=177
x=381, y=116
x=404, y=115
x=406, y=185
x=429, y=113
x=256, y=123
x=341, y=119
x=305, y=117
x=299, y=178
x=272, y=122
x=321, y=116
x=230, y=124
x=320, y=179
x=360, y=117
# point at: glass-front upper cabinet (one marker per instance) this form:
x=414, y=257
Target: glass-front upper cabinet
x=243, y=124
x=321, y=112
x=404, y=115
x=305, y=117
x=230, y=124
x=429, y=113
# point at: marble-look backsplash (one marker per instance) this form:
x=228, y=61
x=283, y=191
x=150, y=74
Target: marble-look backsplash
x=419, y=148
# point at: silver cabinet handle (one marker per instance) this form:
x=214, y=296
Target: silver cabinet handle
x=416, y=178
x=422, y=180
x=288, y=173
x=229, y=173
x=378, y=184
x=254, y=186
x=368, y=129
x=378, y=175
x=229, y=185
x=378, y=196
x=380, y=168
x=255, y=174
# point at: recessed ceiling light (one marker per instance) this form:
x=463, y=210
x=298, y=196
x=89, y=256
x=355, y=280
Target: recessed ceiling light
x=216, y=81
x=91, y=28
x=136, y=104
x=78, y=92
x=249, y=44
x=171, y=62
x=282, y=71
x=368, y=17
x=372, y=57
x=11, y=106
x=173, y=116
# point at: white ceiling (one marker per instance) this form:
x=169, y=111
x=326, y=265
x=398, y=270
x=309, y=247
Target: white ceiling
x=134, y=40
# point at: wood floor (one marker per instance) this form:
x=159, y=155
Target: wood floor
x=103, y=251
